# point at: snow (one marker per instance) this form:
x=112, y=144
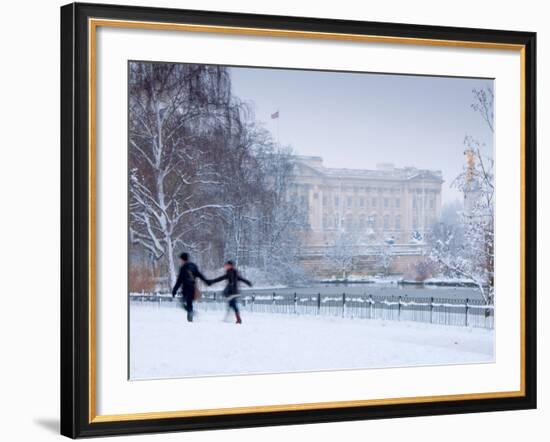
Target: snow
x=163, y=344
x=368, y=279
x=444, y=280
x=441, y=281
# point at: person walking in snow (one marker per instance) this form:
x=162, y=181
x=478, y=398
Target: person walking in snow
x=231, y=290
x=187, y=280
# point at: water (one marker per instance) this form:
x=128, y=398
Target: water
x=375, y=289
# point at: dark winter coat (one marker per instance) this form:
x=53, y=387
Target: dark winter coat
x=233, y=278
x=189, y=272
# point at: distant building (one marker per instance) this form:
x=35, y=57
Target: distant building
x=386, y=204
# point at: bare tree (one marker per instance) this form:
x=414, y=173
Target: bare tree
x=172, y=108
x=204, y=176
x=341, y=255
x=284, y=221
x=473, y=257
x=484, y=104
x=384, y=256
x=263, y=225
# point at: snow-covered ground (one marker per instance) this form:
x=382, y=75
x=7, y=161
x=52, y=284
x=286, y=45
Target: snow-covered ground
x=163, y=344
x=392, y=279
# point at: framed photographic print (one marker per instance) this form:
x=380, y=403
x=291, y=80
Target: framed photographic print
x=280, y=220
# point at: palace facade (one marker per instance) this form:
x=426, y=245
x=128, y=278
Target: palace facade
x=384, y=204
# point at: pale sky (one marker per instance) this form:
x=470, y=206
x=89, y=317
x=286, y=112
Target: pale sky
x=357, y=120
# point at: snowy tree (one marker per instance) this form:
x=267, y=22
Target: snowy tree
x=472, y=255
x=260, y=225
x=341, y=255
x=241, y=190
x=204, y=176
x=484, y=105
x=467, y=259
x=384, y=256
x=172, y=110
x=282, y=222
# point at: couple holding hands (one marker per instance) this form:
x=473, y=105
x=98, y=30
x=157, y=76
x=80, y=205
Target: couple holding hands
x=189, y=272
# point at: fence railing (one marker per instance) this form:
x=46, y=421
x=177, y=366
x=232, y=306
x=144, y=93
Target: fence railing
x=458, y=312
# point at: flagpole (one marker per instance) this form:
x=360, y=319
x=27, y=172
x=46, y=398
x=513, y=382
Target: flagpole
x=277, y=116
x=278, y=138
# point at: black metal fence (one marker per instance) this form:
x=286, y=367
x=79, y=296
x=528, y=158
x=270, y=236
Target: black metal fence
x=458, y=312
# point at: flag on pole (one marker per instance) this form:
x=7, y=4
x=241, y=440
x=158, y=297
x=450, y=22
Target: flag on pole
x=275, y=115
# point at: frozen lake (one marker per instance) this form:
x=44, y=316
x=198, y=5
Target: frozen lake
x=163, y=344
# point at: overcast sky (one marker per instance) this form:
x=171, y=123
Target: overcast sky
x=356, y=120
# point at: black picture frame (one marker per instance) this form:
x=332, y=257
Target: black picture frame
x=75, y=221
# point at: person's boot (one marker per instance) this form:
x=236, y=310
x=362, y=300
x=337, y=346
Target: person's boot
x=238, y=316
x=190, y=316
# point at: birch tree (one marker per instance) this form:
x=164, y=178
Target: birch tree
x=204, y=176
x=172, y=108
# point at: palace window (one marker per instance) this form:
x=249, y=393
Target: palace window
x=350, y=201
x=374, y=202
x=397, y=202
x=361, y=201
x=386, y=202
x=386, y=222
x=397, y=222
x=336, y=201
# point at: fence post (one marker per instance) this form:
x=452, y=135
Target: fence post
x=343, y=305
x=252, y=305
x=295, y=303
x=318, y=303
x=466, y=320
x=399, y=308
x=431, y=309
x=371, y=303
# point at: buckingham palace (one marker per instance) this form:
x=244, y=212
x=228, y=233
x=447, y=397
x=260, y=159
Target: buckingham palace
x=381, y=204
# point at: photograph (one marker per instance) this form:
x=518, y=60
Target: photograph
x=296, y=220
